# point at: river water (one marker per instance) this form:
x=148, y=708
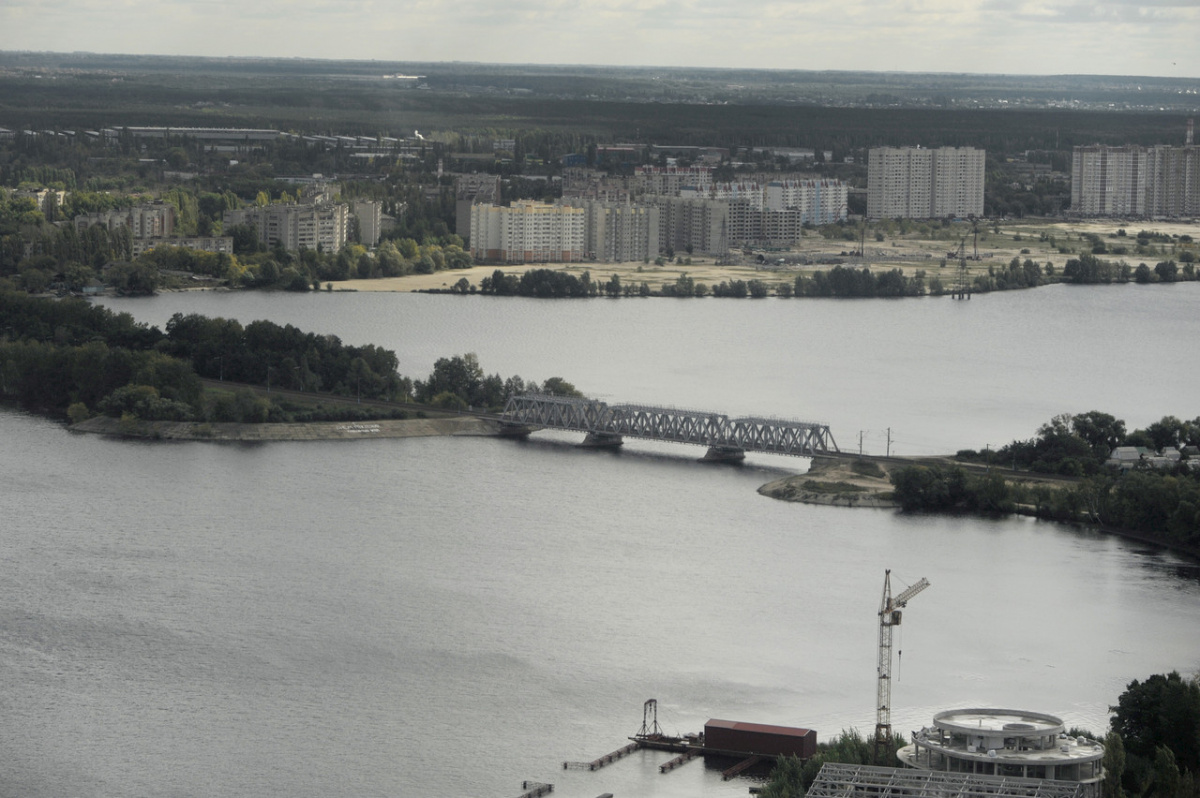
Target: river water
x=454, y=616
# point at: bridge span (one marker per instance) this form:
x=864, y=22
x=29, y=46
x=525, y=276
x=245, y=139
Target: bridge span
x=608, y=425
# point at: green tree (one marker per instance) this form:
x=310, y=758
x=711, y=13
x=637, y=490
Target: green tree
x=1166, y=773
x=557, y=386
x=1161, y=711
x=1114, y=766
x=786, y=779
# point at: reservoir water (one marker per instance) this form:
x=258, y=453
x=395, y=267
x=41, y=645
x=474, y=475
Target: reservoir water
x=453, y=616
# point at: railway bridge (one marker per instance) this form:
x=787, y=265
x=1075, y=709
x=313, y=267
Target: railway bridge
x=608, y=425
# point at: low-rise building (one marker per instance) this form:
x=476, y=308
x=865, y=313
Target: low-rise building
x=222, y=244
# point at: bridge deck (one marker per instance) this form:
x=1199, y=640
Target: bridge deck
x=752, y=434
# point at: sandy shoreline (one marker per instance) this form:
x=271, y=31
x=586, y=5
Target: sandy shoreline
x=835, y=483
x=1034, y=239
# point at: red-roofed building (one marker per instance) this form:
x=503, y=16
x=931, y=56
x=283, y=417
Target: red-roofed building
x=737, y=737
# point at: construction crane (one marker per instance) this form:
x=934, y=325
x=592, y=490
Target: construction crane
x=889, y=616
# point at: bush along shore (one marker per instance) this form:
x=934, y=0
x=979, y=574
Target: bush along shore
x=1145, y=483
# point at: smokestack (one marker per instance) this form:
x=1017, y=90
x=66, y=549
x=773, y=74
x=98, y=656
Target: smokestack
x=1191, y=129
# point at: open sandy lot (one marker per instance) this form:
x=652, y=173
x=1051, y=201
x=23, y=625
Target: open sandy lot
x=997, y=245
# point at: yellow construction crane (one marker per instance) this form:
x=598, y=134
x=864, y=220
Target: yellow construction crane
x=889, y=616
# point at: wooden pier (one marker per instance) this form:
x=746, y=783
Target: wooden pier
x=744, y=765
x=682, y=759
x=535, y=789
x=607, y=759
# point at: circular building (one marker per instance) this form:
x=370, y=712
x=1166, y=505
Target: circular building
x=1005, y=742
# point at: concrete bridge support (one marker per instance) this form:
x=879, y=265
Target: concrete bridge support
x=602, y=440
x=724, y=454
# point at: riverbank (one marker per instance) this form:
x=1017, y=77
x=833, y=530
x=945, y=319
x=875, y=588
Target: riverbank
x=310, y=431
x=929, y=248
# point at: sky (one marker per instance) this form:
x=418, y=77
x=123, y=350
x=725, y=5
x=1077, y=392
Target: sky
x=1150, y=37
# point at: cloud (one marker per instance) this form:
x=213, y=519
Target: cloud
x=1115, y=36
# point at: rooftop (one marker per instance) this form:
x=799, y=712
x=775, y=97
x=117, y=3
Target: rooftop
x=849, y=781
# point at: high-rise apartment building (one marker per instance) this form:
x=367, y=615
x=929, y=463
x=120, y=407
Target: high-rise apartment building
x=528, y=232
x=618, y=231
x=143, y=221
x=918, y=183
x=1131, y=180
x=319, y=226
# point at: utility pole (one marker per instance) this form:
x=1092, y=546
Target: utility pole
x=889, y=443
x=860, y=437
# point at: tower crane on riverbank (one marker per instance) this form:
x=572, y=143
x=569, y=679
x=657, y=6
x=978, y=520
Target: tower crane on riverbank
x=889, y=616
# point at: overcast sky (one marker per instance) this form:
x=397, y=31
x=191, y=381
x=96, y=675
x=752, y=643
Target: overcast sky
x=1150, y=37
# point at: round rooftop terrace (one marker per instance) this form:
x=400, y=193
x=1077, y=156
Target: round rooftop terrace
x=1006, y=722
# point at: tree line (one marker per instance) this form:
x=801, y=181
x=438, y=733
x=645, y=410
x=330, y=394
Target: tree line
x=1162, y=504
x=71, y=358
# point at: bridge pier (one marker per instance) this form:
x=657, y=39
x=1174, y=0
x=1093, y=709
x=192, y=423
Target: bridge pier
x=510, y=429
x=723, y=454
x=602, y=440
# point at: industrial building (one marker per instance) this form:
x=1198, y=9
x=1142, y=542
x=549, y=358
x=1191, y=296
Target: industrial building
x=1007, y=743
x=918, y=183
x=760, y=739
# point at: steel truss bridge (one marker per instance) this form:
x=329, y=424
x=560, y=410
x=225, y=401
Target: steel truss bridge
x=726, y=438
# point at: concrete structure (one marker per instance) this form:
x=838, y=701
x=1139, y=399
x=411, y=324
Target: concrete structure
x=837, y=780
x=1131, y=180
x=370, y=220
x=688, y=224
x=618, y=231
x=320, y=226
x=528, y=232
x=916, y=183
x=1006, y=742
x=143, y=221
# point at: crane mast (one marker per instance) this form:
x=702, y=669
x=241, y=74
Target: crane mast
x=889, y=616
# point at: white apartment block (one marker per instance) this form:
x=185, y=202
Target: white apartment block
x=318, y=226
x=917, y=183
x=528, y=232
x=819, y=201
x=144, y=221
x=1131, y=180
x=669, y=180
